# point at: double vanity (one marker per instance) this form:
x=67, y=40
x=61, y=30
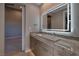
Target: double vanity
x=44, y=44
x=61, y=19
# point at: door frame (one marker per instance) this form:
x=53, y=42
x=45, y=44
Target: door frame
x=23, y=14
x=23, y=27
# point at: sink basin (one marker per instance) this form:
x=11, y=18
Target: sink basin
x=39, y=34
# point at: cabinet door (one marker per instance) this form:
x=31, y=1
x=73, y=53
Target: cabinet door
x=44, y=49
x=59, y=51
x=32, y=43
x=40, y=48
x=36, y=48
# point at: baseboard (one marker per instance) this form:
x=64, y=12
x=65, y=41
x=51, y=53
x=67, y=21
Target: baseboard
x=29, y=51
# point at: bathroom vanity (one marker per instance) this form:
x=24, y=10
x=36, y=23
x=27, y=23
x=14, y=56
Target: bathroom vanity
x=59, y=32
x=44, y=44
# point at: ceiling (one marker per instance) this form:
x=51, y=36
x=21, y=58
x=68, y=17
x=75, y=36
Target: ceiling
x=21, y=4
x=38, y=4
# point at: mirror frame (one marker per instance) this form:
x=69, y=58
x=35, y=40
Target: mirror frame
x=53, y=9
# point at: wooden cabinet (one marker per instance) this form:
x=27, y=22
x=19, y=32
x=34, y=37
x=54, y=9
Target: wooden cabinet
x=40, y=48
x=45, y=50
x=59, y=51
x=34, y=45
x=62, y=47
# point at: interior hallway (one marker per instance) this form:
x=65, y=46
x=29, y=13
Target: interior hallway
x=13, y=29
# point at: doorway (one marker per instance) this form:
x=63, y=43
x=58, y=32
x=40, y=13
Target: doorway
x=13, y=29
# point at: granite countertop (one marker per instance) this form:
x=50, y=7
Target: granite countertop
x=56, y=35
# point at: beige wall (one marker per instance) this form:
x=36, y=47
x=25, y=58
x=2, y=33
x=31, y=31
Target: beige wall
x=2, y=29
x=47, y=6
x=32, y=23
x=75, y=19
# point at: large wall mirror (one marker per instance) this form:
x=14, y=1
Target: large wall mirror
x=57, y=19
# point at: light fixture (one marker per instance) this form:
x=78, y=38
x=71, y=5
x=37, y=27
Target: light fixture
x=20, y=7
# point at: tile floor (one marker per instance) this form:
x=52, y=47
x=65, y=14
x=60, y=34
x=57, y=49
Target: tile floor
x=21, y=54
x=13, y=45
x=24, y=54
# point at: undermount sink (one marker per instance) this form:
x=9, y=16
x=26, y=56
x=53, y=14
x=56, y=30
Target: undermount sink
x=39, y=34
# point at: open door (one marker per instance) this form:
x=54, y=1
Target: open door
x=13, y=29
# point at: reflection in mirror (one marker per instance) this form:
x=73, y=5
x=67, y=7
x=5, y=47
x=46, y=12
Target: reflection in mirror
x=57, y=19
